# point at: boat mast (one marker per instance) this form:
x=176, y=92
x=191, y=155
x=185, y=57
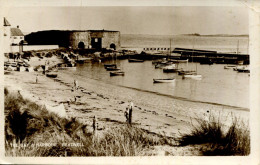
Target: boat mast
x=237, y=46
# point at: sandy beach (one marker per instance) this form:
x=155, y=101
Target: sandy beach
x=108, y=103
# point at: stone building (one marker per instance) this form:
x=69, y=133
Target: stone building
x=76, y=39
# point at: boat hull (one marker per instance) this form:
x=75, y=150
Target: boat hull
x=67, y=68
x=117, y=73
x=163, y=80
x=135, y=60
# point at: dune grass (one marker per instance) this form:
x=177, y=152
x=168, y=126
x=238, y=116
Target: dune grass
x=30, y=130
x=216, y=138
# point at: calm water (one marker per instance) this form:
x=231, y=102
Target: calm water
x=220, y=44
x=218, y=86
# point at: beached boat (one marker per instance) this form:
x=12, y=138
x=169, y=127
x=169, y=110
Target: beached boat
x=83, y=60
x=135, y=60
x=67, y=68
x=179, y=61
x=112, y=68
x=229, y=66
x=243, y=69
x=117, y=73
x=167, y=80
x=52, y=75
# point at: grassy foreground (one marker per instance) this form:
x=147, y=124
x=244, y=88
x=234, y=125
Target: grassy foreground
x=30, y=130
x=216, y=138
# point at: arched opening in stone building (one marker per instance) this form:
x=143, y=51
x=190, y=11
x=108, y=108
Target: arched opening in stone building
x=113, y=46
x=81, y=45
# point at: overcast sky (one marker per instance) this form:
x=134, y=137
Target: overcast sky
x=133, y=19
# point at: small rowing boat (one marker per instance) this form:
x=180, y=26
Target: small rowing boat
x=168, y=80
x=112, y=68
x=67, y=68
x=109, y=65
x=52, y=75
x=117, y=73
x=135, y=60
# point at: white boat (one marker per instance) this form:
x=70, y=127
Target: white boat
x=229, y=66
x=169, y=80
x=194, y=76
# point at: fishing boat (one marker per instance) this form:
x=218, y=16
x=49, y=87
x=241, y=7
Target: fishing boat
x=194, y=75
x=168, y=80
x=109, y=65
x=117, y=73
x=52, y=75
x=135, y=60
x=112, y=68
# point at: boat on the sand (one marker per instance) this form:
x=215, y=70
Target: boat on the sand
x=117, y=73
x=166, y=80
x=229, y=66
x=52, y=75
x=67, y=68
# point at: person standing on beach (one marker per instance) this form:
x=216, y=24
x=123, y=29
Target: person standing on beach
x=76, y=84
x=36, y=79
x=131, y=105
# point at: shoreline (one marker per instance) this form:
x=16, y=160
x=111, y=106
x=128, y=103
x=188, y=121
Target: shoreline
x=95, y=99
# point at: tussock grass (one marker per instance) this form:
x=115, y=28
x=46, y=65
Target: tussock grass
x=217, y=138
x=29, y=127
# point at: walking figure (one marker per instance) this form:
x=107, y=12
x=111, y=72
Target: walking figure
x=127, y=115
x=76, y=84
x=131, y=105
x=94, y=124
x=36, y=79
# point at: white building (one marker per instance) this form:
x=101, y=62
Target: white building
x=12, y=36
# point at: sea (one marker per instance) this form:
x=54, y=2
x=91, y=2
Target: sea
x=218, y=86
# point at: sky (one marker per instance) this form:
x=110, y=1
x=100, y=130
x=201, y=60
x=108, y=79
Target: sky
x=156, y=20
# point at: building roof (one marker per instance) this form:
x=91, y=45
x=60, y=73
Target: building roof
x=16, y=32
x=6, y=23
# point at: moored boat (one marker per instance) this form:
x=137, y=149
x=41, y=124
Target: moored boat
x=117, y=73
x=135, y=60
x=194, y=76
x=112, y=68
x=167, y=80
x=183, y=72
x=109, y=65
